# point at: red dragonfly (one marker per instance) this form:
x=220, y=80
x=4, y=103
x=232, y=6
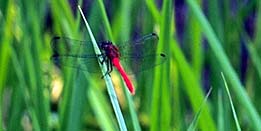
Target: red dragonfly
x=136, y=56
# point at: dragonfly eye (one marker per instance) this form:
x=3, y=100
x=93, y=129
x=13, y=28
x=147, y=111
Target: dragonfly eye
x=106, y=44
x=103, y=45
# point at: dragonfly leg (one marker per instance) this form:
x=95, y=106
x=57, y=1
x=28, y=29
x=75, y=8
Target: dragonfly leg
x=103, y=57
x=109, y=68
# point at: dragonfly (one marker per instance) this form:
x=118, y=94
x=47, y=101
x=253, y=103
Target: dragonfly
x=131, y=57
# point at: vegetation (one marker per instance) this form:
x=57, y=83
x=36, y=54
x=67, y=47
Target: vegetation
x=202, y=41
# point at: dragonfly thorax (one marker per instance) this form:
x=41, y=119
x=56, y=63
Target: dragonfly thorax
x=110, y=50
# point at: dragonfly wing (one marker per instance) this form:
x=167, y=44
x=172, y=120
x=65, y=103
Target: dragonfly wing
x=74, y=53
x=143, y=46
x=139, y=55
x=68, y=46
x=89, y=64
x=135, y=64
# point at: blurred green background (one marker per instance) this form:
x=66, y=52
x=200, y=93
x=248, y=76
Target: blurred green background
x=201, y=39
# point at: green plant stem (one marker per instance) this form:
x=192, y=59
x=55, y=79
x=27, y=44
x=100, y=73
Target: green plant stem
x=153, y=9
x=108, y=81
x=253, y=54
x=225, y=65
x=106, y=21
x=220, y=122
x=161, y=97
x=231, y=103
x=193, y=124
x=133, y=114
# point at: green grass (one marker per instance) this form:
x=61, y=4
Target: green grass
x=226, y=66
x=193, y=124
x=107, y=78
x=231, y=104
x=168, y=97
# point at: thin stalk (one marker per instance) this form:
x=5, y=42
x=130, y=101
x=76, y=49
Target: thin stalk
x=106, y=21
x=226, y=66
x=193, y=124
x=133, y=114
x=153, y=9
x=161, y=96
x=253, y=54
x=231, y=103
x=134, y=118
x=102, y=116
x=107, y=78
x=221, y=119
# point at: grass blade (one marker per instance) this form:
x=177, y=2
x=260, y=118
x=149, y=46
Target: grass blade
x=193, y=125
x=220, y=112
x=194, y=92
x=194, y=35
x=5, y=51
x=153, y=9
x=102, y=117
x=231, y=104
x=106, y=20
x=160, y=112
x=258, y=26
x=255, y=57
x=133, y=114
x=66, y=25
x=225, y=65
x=107, y=79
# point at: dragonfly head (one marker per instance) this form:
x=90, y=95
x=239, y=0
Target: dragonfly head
x=105, y=44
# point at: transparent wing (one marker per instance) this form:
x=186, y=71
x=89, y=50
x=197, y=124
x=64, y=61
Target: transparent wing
x=136, y=56
x=143, y=46
x=74, y=53
x=140, y=54
x=135, y=65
